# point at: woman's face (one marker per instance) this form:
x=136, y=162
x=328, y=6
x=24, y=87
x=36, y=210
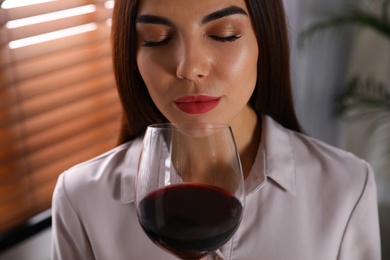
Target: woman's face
x=198, y=58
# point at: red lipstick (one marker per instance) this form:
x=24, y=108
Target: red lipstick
x=198, y=104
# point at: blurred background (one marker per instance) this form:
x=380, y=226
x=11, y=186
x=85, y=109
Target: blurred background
x=59, y=107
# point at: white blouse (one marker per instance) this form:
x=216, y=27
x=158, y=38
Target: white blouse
x=305, y=200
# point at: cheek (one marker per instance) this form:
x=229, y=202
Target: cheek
x=247, y=57
x=242, y=67
x=151, y=72
x=157, y=79
x=145, y=65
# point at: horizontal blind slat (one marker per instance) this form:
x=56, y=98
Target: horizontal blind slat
x=20, y=208
x=6, y=77
x=11, y=151
x=11, y=112
x=50, y=172
x=101, y=15
x=102, y=32
x=72, y=128
x=9, y=133
x=43, y=8
x=60, y=103
x=61, y=115
x=13, y=188
x=68, y=146
x=46, y=64
x=9, y=115
x=65, y=96
x=107, y=130
x=42, y=196
x=53, y=118
x=66, y=77
x=5, y=57
x=15, y=212
x=11, y=168
x=17, y=147
x=11, y=108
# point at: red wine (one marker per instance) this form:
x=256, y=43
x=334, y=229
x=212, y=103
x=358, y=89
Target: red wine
x=190, y=220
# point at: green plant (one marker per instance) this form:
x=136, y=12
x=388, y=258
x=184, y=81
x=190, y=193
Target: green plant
x=365, y=99
x=360, y=98
x=353, y=15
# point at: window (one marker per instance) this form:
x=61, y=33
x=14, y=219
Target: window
x=58, y=102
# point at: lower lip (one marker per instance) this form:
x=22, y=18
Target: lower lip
x=197, y=107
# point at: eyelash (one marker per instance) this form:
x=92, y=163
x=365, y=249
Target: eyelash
x=225, y=39
x=155, y=44
x=216, y=38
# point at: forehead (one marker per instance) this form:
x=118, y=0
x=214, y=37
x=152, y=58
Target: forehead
x=186, y=8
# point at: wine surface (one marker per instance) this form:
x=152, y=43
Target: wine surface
x=190, y=220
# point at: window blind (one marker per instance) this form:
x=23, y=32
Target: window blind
x=58, y=103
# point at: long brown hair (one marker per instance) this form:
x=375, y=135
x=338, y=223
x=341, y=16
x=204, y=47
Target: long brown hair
x=273, y=92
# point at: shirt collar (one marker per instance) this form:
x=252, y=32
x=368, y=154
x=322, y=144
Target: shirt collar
x=129, y=171
x=278, y=152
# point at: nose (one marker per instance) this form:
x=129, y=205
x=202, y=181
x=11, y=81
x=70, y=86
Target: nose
x=193, y=62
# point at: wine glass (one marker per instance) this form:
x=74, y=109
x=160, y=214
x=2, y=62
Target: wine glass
x=189, y=188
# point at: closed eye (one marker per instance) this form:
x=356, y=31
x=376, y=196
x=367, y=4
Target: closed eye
x=225, y=39
x=156, y=43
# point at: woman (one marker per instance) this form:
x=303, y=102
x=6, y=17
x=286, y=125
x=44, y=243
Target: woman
x=223, y=61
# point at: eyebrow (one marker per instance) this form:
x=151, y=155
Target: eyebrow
x=152, y=19
x=231, y=10
x=145, y=18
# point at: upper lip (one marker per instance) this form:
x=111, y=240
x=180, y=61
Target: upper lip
x=196, y=98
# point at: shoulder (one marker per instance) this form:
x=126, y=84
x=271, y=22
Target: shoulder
x=100, y=176
x=316, y=165
x=329, y=169
x=309, y=151
x=99, y=166
x=326, y=157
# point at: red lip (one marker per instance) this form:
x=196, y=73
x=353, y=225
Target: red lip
x=197, y=104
